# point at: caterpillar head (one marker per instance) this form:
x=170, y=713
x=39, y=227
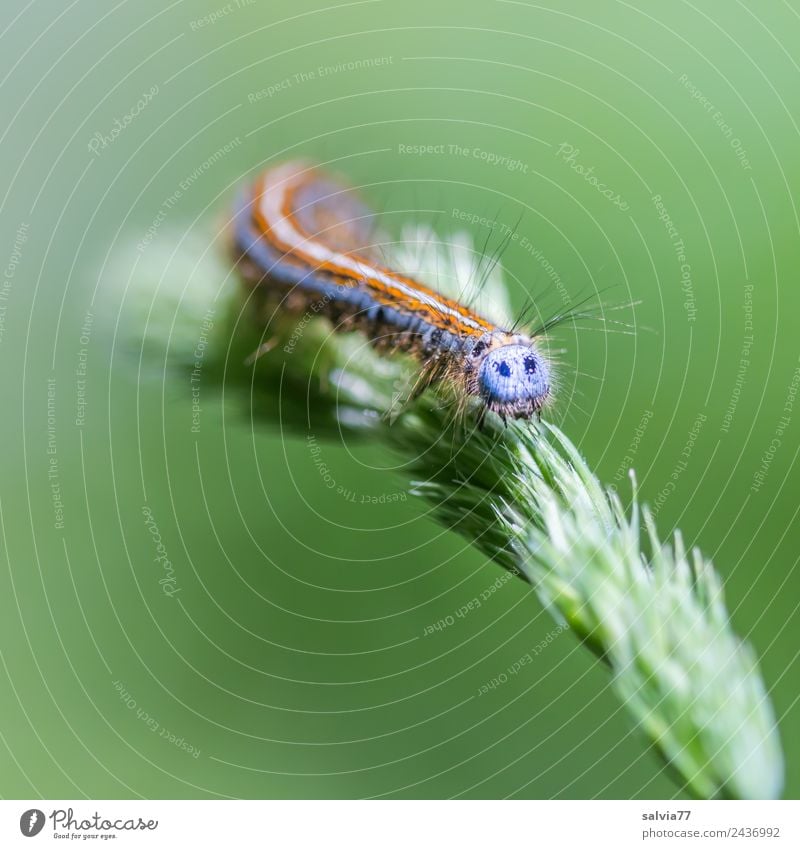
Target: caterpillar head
x=513, y=379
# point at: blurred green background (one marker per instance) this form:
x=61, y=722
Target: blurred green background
x=648, y=147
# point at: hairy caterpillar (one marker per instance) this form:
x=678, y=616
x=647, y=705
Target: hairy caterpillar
x=303, y=236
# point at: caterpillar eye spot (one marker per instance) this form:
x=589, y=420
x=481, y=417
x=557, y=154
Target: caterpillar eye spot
x=503, y=369
x=530, y=365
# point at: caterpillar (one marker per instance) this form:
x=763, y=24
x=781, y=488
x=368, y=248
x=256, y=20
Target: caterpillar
x=301, y=235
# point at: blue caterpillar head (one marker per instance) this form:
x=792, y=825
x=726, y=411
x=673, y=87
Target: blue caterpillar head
x=514, y=380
